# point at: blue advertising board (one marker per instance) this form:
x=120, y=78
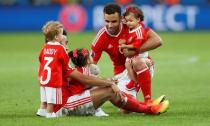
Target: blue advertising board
x=26, y=18
x=79, y=18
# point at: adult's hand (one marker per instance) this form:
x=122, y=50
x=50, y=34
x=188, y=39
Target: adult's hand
x=128, y=52
x=117, y=91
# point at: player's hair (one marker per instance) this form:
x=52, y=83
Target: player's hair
x=51, y=29
x=79, y=57
x=112, y=8
x=138, y=13
x=64, y=33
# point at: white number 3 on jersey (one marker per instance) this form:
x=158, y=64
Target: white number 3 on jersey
x=48, y=69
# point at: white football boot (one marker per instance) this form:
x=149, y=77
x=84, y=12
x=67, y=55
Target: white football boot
x=100, y=113
x=41, y=112
x=51, y=115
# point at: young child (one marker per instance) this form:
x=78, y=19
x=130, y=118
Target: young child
x=54, y=61
x=141, y=76
x=83, y=63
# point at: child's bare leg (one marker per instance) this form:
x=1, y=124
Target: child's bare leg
x=42, y=110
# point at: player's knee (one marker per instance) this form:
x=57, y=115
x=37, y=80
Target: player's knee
x=139, y=63
x=109, y=91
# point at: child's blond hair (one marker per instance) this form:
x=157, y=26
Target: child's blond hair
x=51, y=29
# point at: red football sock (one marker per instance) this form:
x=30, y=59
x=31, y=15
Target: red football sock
x=144, y=79
x=131, y=104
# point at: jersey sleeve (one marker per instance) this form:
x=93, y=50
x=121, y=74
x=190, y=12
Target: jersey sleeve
x=40, y=62
x=136, y=43
x=137, y=38
x=96, y=47
x=68, y=72
x=146, y=28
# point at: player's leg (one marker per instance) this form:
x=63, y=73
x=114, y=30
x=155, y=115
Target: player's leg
x=99, y=111
x=132, y=75
x=101, y=95
x=129, y=103
x=146, y=85
x=150, y=65
x=54, y=97
x=143, y=76
x=43, y=105
x=87, y=102
x=123, y=80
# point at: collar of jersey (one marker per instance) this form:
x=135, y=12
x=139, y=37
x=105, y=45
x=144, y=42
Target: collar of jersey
x=53, y=43
x=134, y=30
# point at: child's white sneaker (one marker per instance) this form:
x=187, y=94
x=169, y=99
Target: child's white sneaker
x=99, y=113
x=41, y=112
x=51, y=115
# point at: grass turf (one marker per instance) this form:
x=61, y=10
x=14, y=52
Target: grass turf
x=182, y=68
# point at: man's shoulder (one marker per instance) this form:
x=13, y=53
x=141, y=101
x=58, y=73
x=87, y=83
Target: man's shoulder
x=102, y=32
x=125, y=27
x=100, y=37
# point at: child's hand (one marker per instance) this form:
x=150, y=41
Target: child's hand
x=121, y=49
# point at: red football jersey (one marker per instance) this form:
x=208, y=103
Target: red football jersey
x=54, y=61
x=73, y=87
x=76, y=87
x=136, y=37
x=109, y=43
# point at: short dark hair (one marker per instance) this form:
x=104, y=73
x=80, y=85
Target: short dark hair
x=112, y=8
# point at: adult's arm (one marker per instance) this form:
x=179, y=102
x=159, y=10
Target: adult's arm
x=97, y=46
x=89, y=80
x=154, y=41
x=94, y=81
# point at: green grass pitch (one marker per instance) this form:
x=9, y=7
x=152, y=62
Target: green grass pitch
x=182, y=72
